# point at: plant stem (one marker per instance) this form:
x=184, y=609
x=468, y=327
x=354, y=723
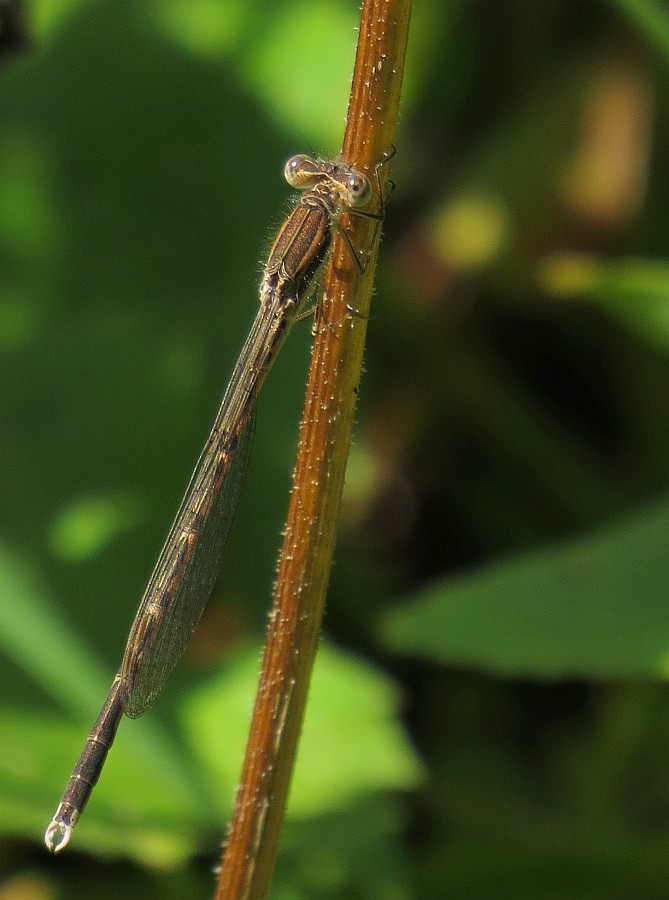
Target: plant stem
x=325, y=434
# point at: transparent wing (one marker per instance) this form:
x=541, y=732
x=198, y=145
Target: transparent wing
x=185, y=575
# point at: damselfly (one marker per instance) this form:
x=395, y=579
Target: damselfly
x=187, y=567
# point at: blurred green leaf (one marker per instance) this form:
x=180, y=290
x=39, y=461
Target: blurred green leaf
x=140, y=181
x=29, y=220
x=91, y=523
x=204, y=27
x=48, y=15
x=35, y=638
x=635, y=291
x=148, y=804
x=144, y=779
x=595, y=607
x=351, y=851
x=304, y=103
x=269, y=40
x=142, y=808
x=651, y=17
x=351, y=744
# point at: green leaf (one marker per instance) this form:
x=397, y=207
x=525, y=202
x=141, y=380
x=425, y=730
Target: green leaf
x=651, y=18
x=150, y=803
x=351, y=852
x=36, y=639
x=352, y=743
x=264, y=41
x=90, y=524
x=147, y=804
x=595, y=607
x=636, y=291
x=304, y=102
x=142, y=808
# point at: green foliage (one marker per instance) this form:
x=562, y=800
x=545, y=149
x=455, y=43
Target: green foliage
x=349, y=706
x=594, y=608
x=502, y=566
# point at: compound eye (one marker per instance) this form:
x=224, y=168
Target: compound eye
x=301, y=172
x=358, y=190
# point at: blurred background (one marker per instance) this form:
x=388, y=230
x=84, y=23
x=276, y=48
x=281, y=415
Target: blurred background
x=489, y=716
